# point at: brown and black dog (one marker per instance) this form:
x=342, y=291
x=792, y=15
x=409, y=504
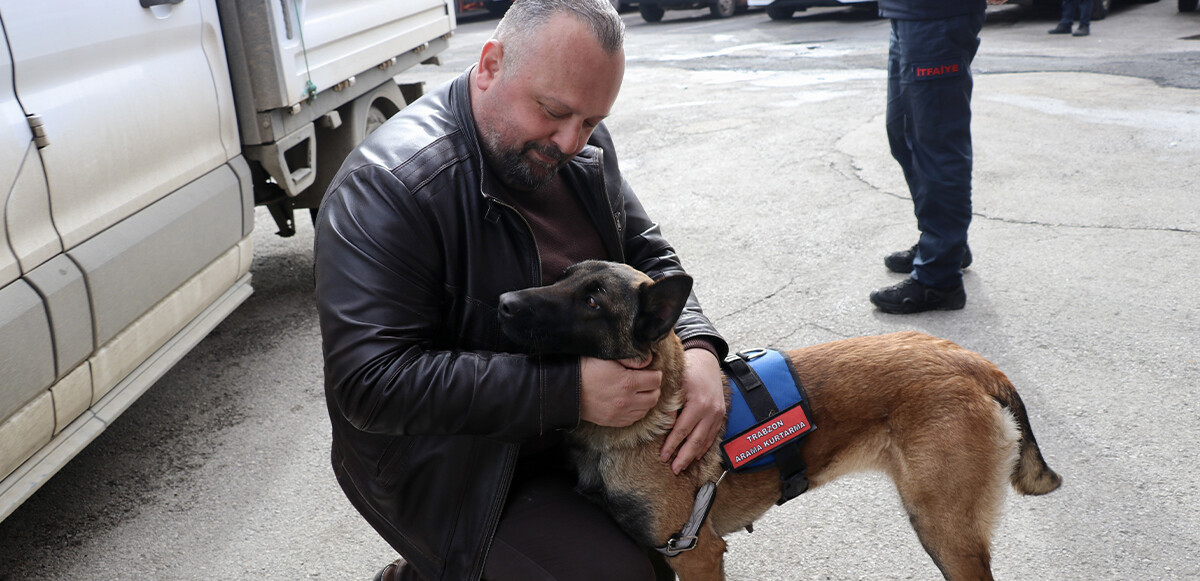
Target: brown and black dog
x=944, y=423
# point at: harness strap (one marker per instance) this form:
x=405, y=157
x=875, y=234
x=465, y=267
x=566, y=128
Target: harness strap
x=793, y=471
x=685, y=540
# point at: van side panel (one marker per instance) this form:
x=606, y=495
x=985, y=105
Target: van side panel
x=132, y=266
x=61, y=285
x=128, y=103
x=14, y=140
x=30, y=227
x=27, y=358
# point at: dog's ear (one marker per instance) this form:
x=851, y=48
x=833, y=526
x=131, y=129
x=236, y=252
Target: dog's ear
x=660, y=304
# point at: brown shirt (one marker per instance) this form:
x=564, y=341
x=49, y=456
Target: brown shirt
x=561, y=227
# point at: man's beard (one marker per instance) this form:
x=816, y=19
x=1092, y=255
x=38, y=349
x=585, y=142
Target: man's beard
x=516, y=168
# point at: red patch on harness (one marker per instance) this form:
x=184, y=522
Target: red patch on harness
x=766, y=437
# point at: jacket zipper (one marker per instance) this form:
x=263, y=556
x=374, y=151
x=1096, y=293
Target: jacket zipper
x=537, y=252
x=511, y=461
x=612, y=213
x=498, y=508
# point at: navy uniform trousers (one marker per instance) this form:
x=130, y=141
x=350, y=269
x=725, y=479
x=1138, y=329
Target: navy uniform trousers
x=929, y=130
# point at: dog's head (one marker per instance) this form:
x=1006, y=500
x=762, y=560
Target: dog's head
x=598, y=309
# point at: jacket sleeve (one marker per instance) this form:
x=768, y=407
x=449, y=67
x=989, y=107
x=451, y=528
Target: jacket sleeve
x=648, y=251
x=380, y=291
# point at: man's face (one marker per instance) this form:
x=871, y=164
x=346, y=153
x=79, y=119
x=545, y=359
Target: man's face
x=534, y=117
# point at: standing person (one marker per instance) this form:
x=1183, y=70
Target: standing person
x=1071, y=9
x=929, y=129
x=444, y=439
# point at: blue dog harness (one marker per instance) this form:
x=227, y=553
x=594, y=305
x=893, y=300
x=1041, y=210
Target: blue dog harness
x=768, y=419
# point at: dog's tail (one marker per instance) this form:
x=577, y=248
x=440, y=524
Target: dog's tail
x=1031, y=475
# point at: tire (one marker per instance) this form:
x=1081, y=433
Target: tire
x=498, y=8
x=651, y=12
x=779, y=13
x=722, y=8
x=1100, y=9
x=1188, y=5
x=360, y=118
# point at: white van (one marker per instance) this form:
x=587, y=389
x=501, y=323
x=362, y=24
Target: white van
x=137, y=137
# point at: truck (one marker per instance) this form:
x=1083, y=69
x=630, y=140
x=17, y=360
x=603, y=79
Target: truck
x=138, y=138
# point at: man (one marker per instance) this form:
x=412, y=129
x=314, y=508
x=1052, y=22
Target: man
x=444, y=440
x=929, y=129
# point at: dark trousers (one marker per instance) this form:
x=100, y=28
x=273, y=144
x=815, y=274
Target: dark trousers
x=929, y=130
x=547, y=532
x=1072, y=9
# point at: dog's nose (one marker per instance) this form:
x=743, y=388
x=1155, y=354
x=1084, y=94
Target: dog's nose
x=507, y=305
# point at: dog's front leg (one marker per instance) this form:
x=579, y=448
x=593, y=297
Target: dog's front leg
x=706, y=562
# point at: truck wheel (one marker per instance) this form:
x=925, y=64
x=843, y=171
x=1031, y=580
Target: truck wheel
x=722, y=8
x=1188, y=5
x=498, y=8
x=359, y=118
x=780, y=13
x=1100, y=9
x=651, y=12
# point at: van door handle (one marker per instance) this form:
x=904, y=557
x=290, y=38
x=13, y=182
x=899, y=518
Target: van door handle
x=149, y=3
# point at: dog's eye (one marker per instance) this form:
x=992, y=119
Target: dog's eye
x=592, y=303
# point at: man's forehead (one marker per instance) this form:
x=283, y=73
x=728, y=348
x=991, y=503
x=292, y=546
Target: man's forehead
x=570, y=69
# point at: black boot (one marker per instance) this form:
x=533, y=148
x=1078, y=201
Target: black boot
x=910, y=296
x=902, y=261
x=1083, y=30
x=1062, y=28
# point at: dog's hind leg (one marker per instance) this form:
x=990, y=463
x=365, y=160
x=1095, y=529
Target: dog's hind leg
x=952, y=483
x=704, y=563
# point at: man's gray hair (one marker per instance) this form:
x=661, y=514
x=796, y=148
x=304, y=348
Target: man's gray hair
x=525, y=19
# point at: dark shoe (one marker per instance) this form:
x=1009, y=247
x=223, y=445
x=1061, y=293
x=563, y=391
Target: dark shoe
x=1061, y=29
x=902, y=261
x=397, y=570
x=1083, y=31
x=910, y=296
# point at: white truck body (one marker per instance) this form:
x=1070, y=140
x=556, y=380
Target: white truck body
x=136, y=137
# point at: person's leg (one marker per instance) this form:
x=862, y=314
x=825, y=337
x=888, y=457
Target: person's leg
x=549, y=533
x=896, y=118
x=1066, y=18
x=936, y=80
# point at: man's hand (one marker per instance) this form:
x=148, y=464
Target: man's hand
x=616, y=393
x=700, y=421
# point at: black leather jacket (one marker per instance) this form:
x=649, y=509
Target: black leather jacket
x=428, y=401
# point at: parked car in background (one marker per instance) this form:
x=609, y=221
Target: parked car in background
x=500, y=7
x=495, y=7
x=785, y=9
x=653, y=10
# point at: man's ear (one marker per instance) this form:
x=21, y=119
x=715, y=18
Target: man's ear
x=659, y=306
x=490, y=60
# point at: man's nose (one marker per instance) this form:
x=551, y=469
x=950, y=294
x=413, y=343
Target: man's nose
x=570, y=137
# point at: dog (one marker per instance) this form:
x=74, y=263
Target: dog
x=943, y=422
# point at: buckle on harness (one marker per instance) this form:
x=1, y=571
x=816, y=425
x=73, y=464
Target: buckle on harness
x=677, y=544
x=685, y=540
